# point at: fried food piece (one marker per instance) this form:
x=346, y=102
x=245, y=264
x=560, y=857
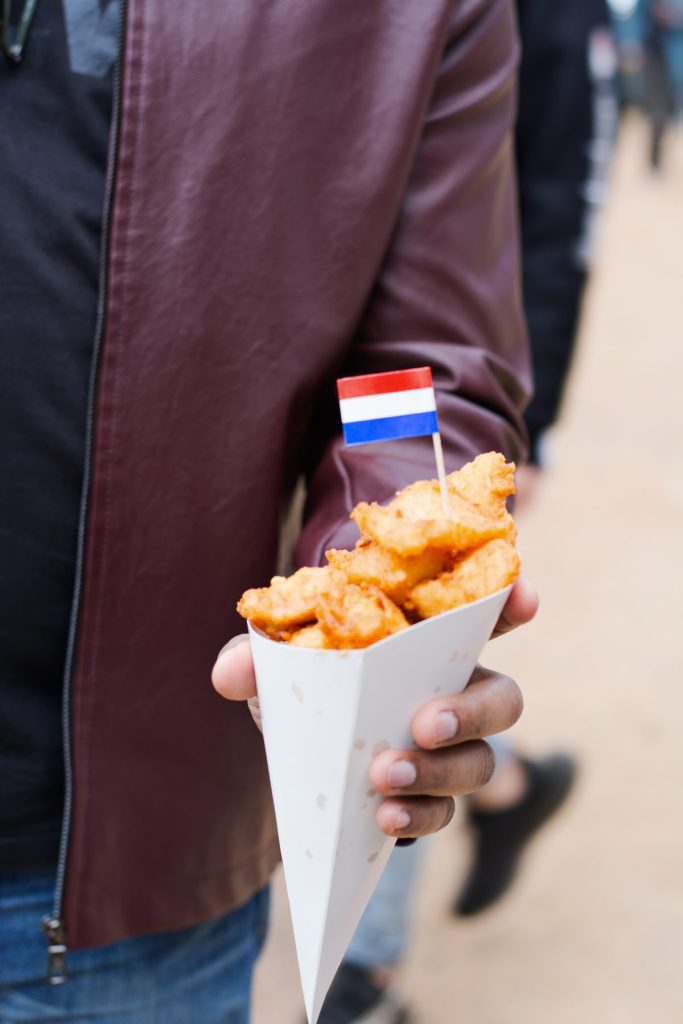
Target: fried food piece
x=415, y=521
x=310, y=636
x=395, y=574
x=352, y=616
x=289, y=602
x=487, y=482
x=475, y=574
x=409, y=555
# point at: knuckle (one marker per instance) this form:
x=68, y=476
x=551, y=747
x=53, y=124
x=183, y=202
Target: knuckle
x=449, y=811
x=439, y=770
x=499, y=704
x=432, y=814
x=487, y=764
x=516, y=701
x=479, y=718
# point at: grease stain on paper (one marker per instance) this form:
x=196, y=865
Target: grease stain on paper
x=321, y=801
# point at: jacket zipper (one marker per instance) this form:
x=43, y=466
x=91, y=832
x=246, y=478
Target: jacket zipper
x=52, y=924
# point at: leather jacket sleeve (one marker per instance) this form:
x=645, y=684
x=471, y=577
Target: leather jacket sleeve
x=448, y=294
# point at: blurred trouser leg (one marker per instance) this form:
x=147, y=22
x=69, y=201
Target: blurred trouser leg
x=659, y=97
x=202, y=973
x=672, y=46
x=383, y=932
x=362, y=990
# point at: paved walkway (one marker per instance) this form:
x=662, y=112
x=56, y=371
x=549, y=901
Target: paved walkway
x=593, y=931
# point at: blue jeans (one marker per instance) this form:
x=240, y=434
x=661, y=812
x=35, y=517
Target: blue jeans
x=200, y=974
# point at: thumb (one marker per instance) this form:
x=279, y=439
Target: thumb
x=233, y=674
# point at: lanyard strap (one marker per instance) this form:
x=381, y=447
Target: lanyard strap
x=14, y=44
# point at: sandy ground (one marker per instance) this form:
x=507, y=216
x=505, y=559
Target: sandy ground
x=593, y=930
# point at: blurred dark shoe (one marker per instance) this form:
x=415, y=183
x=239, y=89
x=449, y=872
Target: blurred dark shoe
x=501, y=836
x=355, y=999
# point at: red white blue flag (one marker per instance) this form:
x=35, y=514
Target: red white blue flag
x=386, y=406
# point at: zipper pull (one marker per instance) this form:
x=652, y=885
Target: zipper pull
x=56, y=951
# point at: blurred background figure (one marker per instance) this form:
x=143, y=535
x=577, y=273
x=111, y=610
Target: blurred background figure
x=566, y=131
x=649, y=37
x=628, y=38
x=662, y=33
x=565, y=136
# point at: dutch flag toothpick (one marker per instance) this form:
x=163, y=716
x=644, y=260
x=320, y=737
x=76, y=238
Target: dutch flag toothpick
x=389, y=406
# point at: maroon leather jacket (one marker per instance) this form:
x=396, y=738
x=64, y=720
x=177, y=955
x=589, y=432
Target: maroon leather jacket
x=298, y=190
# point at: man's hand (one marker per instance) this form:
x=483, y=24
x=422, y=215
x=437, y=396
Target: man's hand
x=451, y=757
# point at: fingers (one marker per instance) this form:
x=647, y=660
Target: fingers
x=233, y=674
x=491, y=703
x=520, y=607
x=452, y=758
x=450, y=772
x=419, y=817
x=425, y=804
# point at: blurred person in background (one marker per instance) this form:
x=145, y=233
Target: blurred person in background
x=649, y=39
x=565, y=134
x=208, y=213
x=566, y=130
x=662, y=35
x=627, y=29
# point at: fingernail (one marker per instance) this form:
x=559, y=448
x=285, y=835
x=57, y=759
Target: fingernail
x=401, y=774
x=402, y=821
x=445, y=727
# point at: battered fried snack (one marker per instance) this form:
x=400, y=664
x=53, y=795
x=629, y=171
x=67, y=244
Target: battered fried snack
x=310, y=636
x=414, y=521
x=396, y=575
x=487, y=483
x=475, y=574
x=352, y=616
x=288, y=602
x=410, y=563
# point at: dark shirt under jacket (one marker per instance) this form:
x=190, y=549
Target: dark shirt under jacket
x=55, y=113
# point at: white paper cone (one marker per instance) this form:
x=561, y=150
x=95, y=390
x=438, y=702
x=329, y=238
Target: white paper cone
x=325, y=715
